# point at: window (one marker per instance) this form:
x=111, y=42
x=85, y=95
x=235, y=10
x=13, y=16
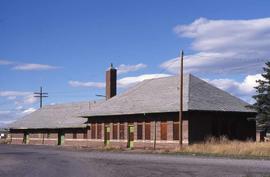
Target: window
x=93, y=131
x=147, y=131
x=99, y=127
x=48, y=135
x=176, y=131
x=139, y=131
x=115, y=131
x=122, y=131
x=74, y=135
x=163, y=130
x=85, y=136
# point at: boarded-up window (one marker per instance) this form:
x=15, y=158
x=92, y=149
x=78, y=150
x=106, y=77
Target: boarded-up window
x=163, y=130
x=85, y=136
x=176, y=131
x=99, y=131
x=139, y=131
x=74, y=135
x=147, y=131
x=122, y=131
x=93, y=131
x=115, y=131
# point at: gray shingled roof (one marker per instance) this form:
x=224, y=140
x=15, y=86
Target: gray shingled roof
x=162, y=95
x=149, y=96
x=55, y=116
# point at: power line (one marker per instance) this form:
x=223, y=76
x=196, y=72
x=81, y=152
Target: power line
x=40, y=95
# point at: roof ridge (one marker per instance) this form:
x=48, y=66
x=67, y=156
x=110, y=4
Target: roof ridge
x=136, y=87
x=78, y=103
x=225, y=92
x=204, y=93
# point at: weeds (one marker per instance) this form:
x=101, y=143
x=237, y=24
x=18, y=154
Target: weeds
x=223, y=146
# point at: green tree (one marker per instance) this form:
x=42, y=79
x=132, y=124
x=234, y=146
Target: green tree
x=262, y=98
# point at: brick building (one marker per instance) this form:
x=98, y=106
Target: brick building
x=53, y=125
x=145, y=116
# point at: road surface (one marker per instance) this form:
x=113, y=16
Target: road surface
x=45, y=161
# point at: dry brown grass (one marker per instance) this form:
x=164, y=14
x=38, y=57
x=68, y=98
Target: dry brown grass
x=222, y=146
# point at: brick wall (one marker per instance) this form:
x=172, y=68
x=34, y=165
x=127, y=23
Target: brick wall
x=142, y=119
x=196, y=126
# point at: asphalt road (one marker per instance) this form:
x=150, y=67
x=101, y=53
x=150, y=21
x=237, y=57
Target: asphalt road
x=44, y=161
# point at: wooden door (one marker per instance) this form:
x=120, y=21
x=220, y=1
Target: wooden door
x=26, y=138
x=163, y=130
x=61, y=138
x=130, y=136
x=107, y=135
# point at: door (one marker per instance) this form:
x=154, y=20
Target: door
x=107, y=135
x=26, y=138
x=130, y=136
x=61, y=138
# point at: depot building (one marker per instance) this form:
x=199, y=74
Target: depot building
x=144, y=116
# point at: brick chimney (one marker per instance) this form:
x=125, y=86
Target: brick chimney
x=111, y=86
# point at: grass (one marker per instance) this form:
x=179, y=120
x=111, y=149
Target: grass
x=224, y=147
x=3, y=141
x=220, y=147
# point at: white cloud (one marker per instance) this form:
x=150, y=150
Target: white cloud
x=13, y=93
x=122, y=83
x=86, y=84
x=128, y=81
x=22, y=102
x=9, y=116
x=4, y=112
x=243, y=89
x=5, y=62
x=28, y=111
x=5, y=122
x=6, y=117
x=130, y=68
x=11, y=97
x=215, y=35
x=19, y=107
x=221, y=46
x=33, y=67
x=29, y=99
x=27, y=66
x=19, y=97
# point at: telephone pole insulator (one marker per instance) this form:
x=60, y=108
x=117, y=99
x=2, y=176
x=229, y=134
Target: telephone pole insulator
x=40, y=95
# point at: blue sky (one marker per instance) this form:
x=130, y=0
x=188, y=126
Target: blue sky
x=66, y=46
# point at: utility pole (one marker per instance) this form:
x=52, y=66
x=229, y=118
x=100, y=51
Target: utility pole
x=181, y=99
x=40, y=95
x=155, y=135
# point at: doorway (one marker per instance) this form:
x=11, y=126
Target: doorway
x=130, y=136
x=107, y=135
x=25, y=138
x=61, y=138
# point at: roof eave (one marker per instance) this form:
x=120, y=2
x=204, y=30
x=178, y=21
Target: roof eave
x=37, y=128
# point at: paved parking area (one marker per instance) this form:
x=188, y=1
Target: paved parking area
x=44, y=161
